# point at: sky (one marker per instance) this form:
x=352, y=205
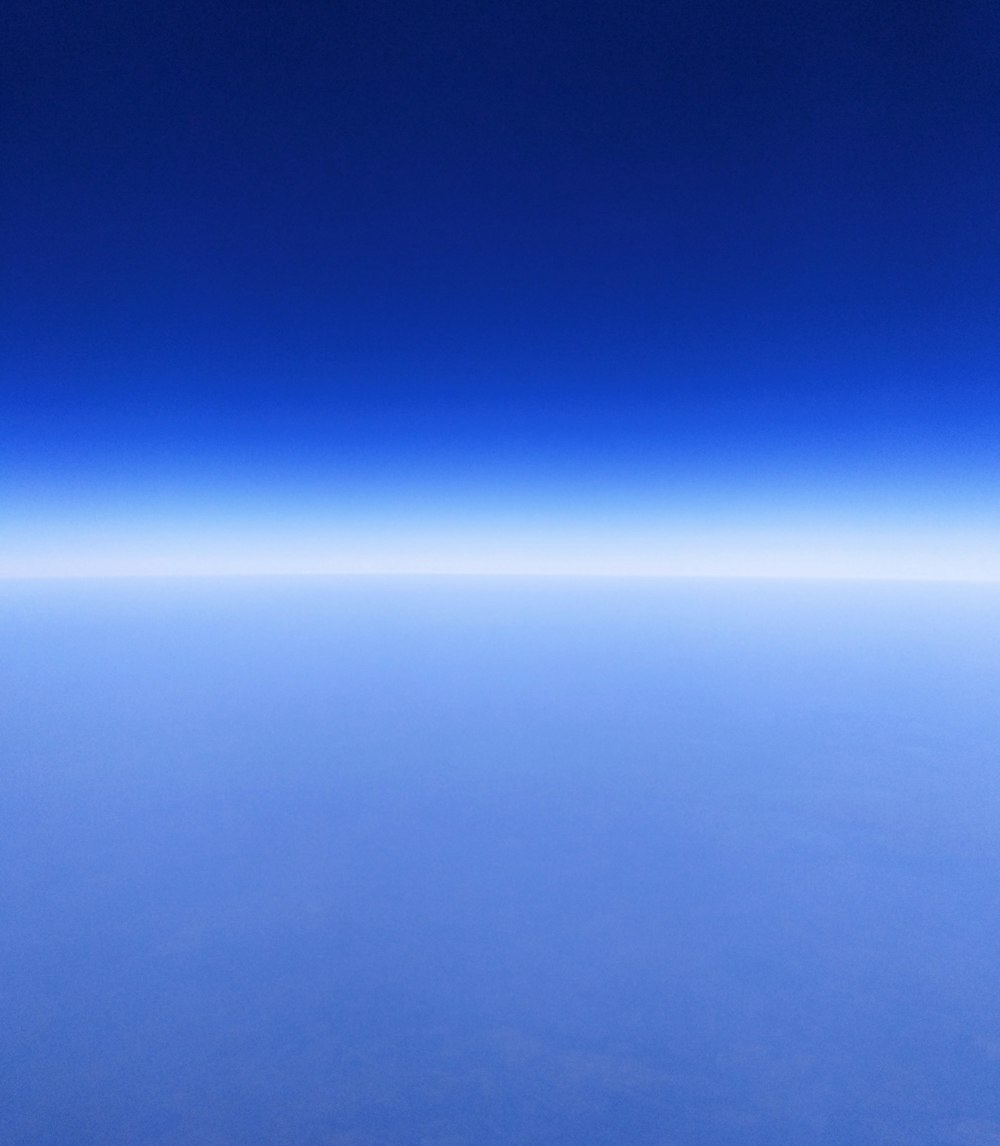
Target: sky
x=525, y=287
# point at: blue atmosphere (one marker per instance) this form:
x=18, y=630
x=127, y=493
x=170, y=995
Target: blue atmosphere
x=499, y=573
x=381, y=287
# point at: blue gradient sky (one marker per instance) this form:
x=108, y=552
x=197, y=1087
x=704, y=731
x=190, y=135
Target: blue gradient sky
x=528, y=287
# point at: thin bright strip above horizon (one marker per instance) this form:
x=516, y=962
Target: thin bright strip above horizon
x=717, y=554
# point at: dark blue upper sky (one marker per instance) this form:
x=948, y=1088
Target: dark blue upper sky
x=701, y=244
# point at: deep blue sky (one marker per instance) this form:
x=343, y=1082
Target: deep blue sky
x=308, y=259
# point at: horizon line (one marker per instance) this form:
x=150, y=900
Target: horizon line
x=498, y=574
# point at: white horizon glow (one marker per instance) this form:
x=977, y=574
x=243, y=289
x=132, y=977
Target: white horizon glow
x=551, y=547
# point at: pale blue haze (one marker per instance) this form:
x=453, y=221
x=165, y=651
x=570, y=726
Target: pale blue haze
x=426, y=862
